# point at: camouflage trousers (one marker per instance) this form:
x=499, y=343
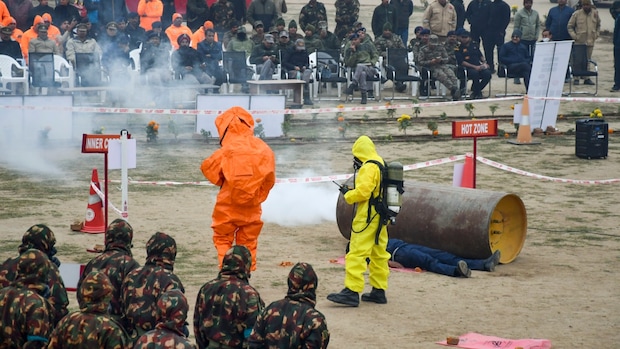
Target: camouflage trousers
x=446, y=76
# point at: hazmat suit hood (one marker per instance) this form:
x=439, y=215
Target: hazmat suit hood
x=237, y=262
x=172, y=311
x=302, y=283
x=364, y=149
x=161, y=250
x=33, y=268
x=96, y=293
x=234, y=122
x=119, y=236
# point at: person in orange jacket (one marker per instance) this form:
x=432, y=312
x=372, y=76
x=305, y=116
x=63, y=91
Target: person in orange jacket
x=52, y=31
x=29, y=35
x=4, y=11
x=17, y=33
x=200, y=34
x=150, y=11
x=244, y=169
x=176, y=29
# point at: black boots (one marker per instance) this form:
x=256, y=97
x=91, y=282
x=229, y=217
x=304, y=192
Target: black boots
x=352, y=87
x=345, y=297
x=364, y=97
x=307, y=100
x=375, y=296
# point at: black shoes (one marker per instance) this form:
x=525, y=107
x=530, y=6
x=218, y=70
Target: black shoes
x=351, y=88
x=493, y=261
x=345, y=297
x=400, y=87
x=462, y=269
x=365, y=96
x=455, y=93
x=375, y=296
x=588, y=82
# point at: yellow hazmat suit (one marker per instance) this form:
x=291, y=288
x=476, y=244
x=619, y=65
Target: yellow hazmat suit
x=244, y=169
x=364, y=228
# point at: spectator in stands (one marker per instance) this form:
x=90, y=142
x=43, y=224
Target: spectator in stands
x=330, y=40
x=19, y=9
x=163, y=38
x=477, y=14
x=230, y=34
x=240, y=11
x=452, y=45
x=169, y=10
x=516, y=57
x=384, y=13
x=528, y=22
x=154, y=60
x=469, y=57
x=440, y=18
x=546, y=35
x=416, y=42
x=29, y=35
x=211, y=53
x=110, y=11
x=262, y=10
x=222, y=15
x=150, y=11
x=188, y=64
x=109, y=38
x=116, y=61
x=241, y=43
x=39, y=10
x=312, y=13
x=259, y=33
x=362, y=59
x=584, y=27
x=197, y=13
x=313, y=42
x=177, y=29
x=435, y=58
x=347, y=14
x=4, y=11
x=265, y=56
x=53, y=32
x=137, y=34
x=17, y=33
x=8, y=45
x=199, y=35
x=65, y=12
x=557, y=21
x=297, y=64
x=42, y=43
x=284, y=43
x=389, y=40
x=292, y=31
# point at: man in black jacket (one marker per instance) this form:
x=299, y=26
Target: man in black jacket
x=297, y=64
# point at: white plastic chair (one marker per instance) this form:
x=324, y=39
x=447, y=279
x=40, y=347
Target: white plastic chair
x=63, y=72
x=6, y=65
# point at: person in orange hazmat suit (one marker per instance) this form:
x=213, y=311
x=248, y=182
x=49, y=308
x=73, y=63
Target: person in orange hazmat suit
x=244, y=169
x=369, y=235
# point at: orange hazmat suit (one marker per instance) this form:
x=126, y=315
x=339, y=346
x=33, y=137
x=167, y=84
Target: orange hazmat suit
x=150, y=11
x=244, y=169
x=366, y=223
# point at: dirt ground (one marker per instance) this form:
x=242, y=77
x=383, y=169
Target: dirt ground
x=562, y=287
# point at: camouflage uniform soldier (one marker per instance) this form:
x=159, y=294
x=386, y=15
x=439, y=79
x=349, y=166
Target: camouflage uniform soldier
x=222, y=16
x=313, y=42
x=143, y=286
x=171, y=330
x=229, y=35
x=452, y=45
x=91, y=326
x=40, y=237
x=116, y=262
x=259, y=35
x=347, y=13
x=389, y=40
x=227, y=307
x=293, y=322
x=312, y=13
x=435, y=58
x=25, y=314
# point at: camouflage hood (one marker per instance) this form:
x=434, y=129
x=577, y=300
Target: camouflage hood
x=302, y=283
x=237, y=262
x=161, y=250
x=172, y=310
x=96, y=292
x=119, y=236
x=40, y=237
x=33, y=268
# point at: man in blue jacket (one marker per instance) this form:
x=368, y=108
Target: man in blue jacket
x=557, y=21
x=516, y=57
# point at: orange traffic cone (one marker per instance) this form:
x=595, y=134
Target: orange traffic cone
x=95, y=221
x=524, y=134
x=467, y=180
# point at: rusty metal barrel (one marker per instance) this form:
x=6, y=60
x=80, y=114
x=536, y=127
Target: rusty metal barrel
x=470, y=223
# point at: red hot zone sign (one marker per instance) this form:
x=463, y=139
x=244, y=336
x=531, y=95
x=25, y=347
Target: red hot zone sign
x=474, y=128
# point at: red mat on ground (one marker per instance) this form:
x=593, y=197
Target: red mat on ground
x=479, y=341
x=340, y=260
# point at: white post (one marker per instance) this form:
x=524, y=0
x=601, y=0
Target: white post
x=124, y=176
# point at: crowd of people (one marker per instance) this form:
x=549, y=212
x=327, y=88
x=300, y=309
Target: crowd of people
x=190, y=47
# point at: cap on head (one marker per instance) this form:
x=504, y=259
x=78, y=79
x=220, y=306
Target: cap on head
x=6, y=30
x=353, y=36
x=311, y=28
x=418, y=29
x=82, y=26
x=111, y=25
x=462, y=32
x=176, y=15
x=269, y=38
x=300, y=44
x=284, y=33
x=208, y=25
x=258, y=24
x=280, y=21
x=322, y=25
x=434, y=39
x=156, y=24
x=586, y=2
x=241, y=30
x=425, y=32
x=387, y=26
x=133, y=15
x=451, y=32
x=292, y=24
x=517, y=32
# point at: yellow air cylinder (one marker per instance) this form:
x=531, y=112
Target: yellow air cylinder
x=470, y=223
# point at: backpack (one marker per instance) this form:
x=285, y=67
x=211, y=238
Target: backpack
x=386, y=212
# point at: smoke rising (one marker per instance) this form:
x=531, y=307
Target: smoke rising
x=301, y=204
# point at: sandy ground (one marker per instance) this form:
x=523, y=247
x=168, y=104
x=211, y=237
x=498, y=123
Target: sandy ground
x=562, y=286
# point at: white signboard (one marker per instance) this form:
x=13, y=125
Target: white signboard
x=547, y=80
x=217, y=102
x=114, y=154
x=272, y=123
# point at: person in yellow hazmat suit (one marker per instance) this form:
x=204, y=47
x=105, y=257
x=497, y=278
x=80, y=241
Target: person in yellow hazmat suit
x=244, y=168
x=369, y=235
